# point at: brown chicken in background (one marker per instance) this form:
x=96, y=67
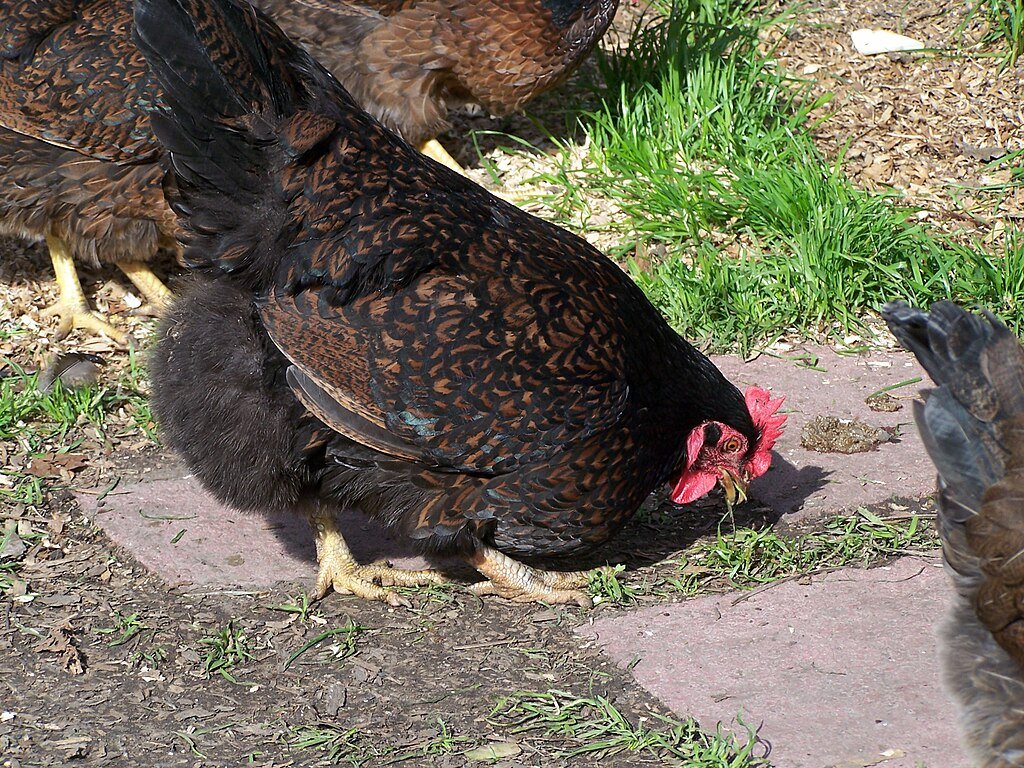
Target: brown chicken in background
x=373, y=330
x=408, y=62
x=79, y=167
x=973, y=427
x=78, y=163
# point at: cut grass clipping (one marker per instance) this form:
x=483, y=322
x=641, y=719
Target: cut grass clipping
x=353, y=747
x=744, y=558
x=594, y=727
x=705, y=147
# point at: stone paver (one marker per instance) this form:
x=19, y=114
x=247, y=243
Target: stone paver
x=219, y=546
x=810, y=485
x=840, y=672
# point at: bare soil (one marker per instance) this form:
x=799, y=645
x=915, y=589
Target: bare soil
x=71, y=694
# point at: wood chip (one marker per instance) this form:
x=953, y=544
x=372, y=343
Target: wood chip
x=60, y=641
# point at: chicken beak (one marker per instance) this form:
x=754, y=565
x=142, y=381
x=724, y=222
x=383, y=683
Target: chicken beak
x=734, y=486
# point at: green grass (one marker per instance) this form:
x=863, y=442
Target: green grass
x=353, y=747
x=341, y=746
x=745, y=558
x=706, y=147
x=1005, y=22
x=130, y=630
x=748, y=557
x=126, y=628
x=301, y=608
x=595, y=728
x=554, y=723
x=38, y=422
x=343, y=643
x=224, y=650
x=604, y=583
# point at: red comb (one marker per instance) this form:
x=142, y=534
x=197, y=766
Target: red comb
x=769, y=423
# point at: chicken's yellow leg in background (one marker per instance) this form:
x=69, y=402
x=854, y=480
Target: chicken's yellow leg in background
x=72, y=307
x=157, y=295
x=339, y=569
x=435, y=151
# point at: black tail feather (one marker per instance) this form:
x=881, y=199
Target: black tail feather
x=229, y=77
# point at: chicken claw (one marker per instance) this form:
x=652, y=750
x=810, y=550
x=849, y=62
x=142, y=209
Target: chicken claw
x=338, y=569
x=435, y=151
x=520, y=583
x=157, y=295
x=72, y=307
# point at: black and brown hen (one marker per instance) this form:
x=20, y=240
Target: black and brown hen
x=79, y=167
x=78, y=163
x=375, y=330
x=973, y=427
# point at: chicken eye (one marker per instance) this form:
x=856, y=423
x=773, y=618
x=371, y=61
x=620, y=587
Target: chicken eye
x=731, y=445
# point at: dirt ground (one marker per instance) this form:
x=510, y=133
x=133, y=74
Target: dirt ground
x=75, y=690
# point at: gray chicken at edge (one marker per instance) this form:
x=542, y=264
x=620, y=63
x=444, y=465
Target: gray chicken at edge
x=972, y=425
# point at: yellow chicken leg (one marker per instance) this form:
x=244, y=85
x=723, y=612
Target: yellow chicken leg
x=72, y=307
x=339, y=569
x=435, y=151
x=520, y=583
x=157, y=295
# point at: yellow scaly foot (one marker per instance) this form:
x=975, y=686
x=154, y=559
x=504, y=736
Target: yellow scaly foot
x=339, y=569
x=435, y=151
x=520, y=583
x=157, y=295
x=72, y=307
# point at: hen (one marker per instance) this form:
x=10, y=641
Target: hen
x=79, y=165
x=374, y=330
x=973, y=428
x=407, y=62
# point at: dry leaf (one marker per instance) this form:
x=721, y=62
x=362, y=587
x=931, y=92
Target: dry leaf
x=61, y=642
x=51, y=464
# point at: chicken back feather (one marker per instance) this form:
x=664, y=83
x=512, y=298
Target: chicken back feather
x=408, y=62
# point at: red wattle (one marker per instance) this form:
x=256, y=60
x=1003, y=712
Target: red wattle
x=692, y=485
